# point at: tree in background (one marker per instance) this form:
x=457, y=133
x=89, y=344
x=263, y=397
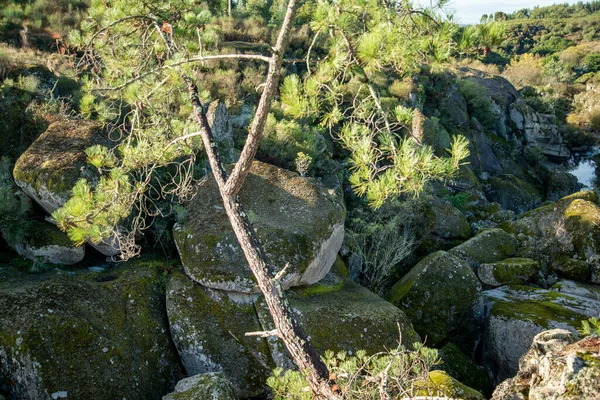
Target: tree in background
x=143, y=60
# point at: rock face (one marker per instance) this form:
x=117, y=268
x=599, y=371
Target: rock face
x=86, y=335
x=463, y=369
x=538, y=129
x=452, y=310
x=208, y=327
x=52, y=165
x=40, y=241
x=513, y=193
x=210, y=386
x=564, y=235
x=517, y=313
x=556, y=367
x=298, y=221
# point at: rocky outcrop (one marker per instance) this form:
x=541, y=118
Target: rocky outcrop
x=452, y=311
x=52, y=165
x=515, y=314
x=463, y=369
x=42, y=242
x=539, y=130
x=298, y=220
x=86, y=335
x=556, y=367
x=209, y=386
x=564, y=235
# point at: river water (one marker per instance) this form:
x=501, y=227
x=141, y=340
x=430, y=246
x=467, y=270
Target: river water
x=584, y=168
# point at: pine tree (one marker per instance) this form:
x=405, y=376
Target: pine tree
x=142, y=60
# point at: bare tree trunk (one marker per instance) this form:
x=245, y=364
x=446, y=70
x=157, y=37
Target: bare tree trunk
x=291, y=333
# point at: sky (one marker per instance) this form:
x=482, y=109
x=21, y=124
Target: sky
x=470, y=11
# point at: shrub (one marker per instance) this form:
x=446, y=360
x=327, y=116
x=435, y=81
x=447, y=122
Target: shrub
x=592, y=62
x=404, y=373
x=283, y=140
x=594, y=119
x=524, y=71
x=590, y=327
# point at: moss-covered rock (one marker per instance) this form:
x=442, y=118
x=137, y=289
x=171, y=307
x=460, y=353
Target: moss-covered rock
x=564, y=235
x=40, y=241
x=297, y=220
x=208, y=328
x=487, y=246
x=209, y=386
x=452, y=310
x=512, y=271
x=447, y=221
x=513, y=193
x=441, y=385
x=517, y=313
x=337, y=314
x=563, y=369
x=559, y=184
x=86, y=335
x=465, y=370
x=52, y=165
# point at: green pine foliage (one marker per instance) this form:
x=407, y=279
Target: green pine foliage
x=590, y=327
x=360, y=376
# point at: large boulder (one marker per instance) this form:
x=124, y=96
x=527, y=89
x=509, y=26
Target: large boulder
x=42, y=242
x=297, y=220
x=209, y=386
x=208, y=328
x=556, y=367
x=340, y=315
x=513, y=193
x=52, y=165
x=487, y=246
x=517, y=313
x=86, y=335
x=512, y=271
x=452, y=310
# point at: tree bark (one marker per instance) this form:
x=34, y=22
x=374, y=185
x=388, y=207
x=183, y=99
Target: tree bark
x=288, y=329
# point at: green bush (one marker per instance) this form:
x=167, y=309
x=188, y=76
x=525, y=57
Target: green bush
x=283, y=140
x=404, y=372
x=592, y=62
x=590, y=327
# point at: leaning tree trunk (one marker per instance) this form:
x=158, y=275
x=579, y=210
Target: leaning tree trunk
x=287, y=328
